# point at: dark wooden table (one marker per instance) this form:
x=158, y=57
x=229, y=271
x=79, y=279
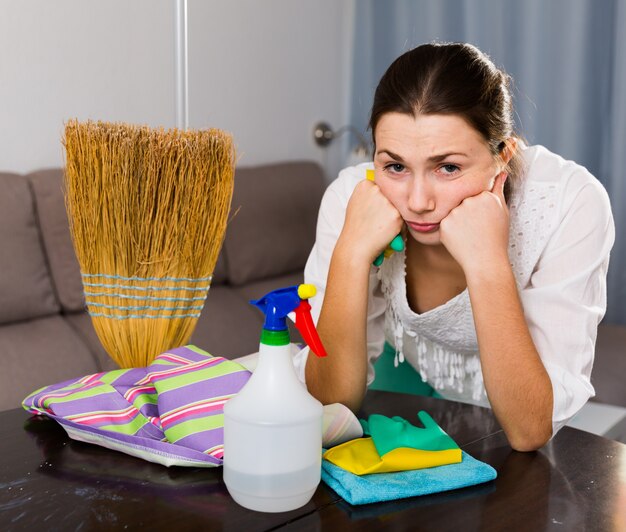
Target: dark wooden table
x=49, y=482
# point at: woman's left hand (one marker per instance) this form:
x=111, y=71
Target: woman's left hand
x=476, y=233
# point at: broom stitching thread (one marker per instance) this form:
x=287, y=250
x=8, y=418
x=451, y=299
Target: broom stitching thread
x=141, y=317
x=175, y=279
x=145, y=307
x=152, y=288
x=148, y=298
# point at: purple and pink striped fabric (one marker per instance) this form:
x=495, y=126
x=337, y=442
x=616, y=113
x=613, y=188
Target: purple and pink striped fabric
x=171, y=412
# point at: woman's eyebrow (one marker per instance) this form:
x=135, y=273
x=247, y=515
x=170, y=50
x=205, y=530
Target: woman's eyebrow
x=432, y=158
x=441, y=157
x=391, y=155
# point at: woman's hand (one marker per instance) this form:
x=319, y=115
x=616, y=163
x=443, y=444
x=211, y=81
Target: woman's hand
x=371, y=222
x=476, y=233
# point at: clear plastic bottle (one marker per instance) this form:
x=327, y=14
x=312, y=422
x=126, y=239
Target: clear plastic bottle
x=273, y=426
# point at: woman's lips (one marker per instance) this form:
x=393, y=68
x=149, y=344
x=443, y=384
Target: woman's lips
x=423, y=228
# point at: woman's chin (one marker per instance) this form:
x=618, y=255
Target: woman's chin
x=426, y=239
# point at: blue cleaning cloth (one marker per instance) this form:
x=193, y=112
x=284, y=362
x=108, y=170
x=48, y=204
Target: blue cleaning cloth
x=379, y=487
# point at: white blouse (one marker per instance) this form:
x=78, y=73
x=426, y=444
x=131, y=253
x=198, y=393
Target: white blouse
x=560, y=235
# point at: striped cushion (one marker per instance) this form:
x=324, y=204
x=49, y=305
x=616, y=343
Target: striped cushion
x=170, y=412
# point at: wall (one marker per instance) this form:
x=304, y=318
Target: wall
x=265, y=71
x=109, y=60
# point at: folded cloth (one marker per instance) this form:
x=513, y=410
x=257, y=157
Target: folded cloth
x=171, y=412
x=380, y=487
x=395, y=445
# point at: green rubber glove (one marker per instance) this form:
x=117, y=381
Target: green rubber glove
x=397, y=244
x=391, y=433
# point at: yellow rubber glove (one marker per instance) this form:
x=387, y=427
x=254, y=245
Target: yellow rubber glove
x=404, y=447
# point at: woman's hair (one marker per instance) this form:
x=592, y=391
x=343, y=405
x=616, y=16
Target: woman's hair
x=454, y=79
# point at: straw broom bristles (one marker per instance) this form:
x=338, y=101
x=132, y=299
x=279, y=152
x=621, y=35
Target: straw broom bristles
x=147, y=211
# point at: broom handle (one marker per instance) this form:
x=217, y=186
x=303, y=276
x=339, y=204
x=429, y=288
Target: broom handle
x=182, y=107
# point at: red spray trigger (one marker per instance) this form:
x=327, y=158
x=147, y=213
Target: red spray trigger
x=304, y=324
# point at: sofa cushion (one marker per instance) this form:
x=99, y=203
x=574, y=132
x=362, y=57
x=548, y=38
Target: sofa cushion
x=258, y=289
x=36, y=353
x=81, y=323
x=274, y=214
x=219, y=273
x=25, y=286
x=47, y=187
x=228, y=326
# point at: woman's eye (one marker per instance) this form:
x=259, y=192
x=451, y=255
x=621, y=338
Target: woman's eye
x=395, y=168
x=449, y=169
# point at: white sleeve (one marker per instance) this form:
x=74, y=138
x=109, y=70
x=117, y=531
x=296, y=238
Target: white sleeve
x=566, y=297
x=329, y=225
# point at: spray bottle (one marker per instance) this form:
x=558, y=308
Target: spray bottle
x=273, y=426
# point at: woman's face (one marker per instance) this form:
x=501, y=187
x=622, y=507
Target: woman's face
x=427, y=165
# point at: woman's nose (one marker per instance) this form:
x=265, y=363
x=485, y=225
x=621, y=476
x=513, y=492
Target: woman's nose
x=421, y=195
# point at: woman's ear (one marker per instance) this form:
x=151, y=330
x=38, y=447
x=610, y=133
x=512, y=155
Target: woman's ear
x=508, y=150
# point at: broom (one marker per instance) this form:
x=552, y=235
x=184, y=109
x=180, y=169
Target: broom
x=147, y=211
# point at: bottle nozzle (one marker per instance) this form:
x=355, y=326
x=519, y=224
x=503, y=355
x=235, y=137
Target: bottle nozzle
x=278, y=304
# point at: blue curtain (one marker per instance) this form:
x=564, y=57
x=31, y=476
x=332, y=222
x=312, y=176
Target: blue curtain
x=568, y=62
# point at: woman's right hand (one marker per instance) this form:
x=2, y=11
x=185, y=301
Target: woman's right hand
x=371, y=222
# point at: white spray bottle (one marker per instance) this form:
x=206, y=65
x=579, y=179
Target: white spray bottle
x=273, y=426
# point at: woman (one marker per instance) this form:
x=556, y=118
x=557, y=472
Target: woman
x=498, y=294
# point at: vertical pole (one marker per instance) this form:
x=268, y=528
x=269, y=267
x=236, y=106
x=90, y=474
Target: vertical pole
x=180, y=60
